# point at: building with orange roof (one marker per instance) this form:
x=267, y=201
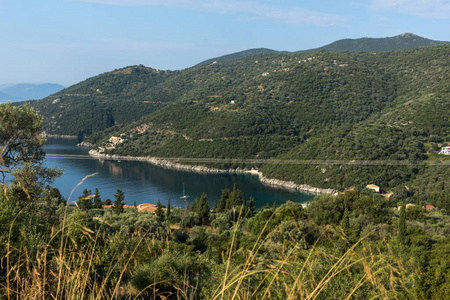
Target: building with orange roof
x=428, y=206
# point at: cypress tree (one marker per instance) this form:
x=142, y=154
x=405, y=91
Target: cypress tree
x=97, y=199
x=236, y=197
x=204, y=209
x=118, y=203
x=168, y=210
x=223, y=204
x=159, y=211
x=345, y=222
x=84, y=202
x=195, y=207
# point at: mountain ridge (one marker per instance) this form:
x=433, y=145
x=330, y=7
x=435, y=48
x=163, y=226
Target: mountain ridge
x=399, y=42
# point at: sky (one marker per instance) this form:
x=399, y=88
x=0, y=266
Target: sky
x=67, y=41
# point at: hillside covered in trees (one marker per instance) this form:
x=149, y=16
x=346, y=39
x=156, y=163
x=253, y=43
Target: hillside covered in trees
x=357, y=244
x=374, y=106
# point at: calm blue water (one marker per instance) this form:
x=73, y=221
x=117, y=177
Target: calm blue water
x=146, y=183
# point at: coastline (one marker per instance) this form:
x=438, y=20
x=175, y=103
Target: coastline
x=59, y=136
x=205, y=170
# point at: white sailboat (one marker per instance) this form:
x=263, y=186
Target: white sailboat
x=184, y=197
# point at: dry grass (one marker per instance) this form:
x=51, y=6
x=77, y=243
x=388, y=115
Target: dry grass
x=65, y=267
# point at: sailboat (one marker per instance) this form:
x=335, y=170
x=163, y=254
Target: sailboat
x=184, y=197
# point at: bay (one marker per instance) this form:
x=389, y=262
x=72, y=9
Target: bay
x=143, y=182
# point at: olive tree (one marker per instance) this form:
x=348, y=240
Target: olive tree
x=21, y=150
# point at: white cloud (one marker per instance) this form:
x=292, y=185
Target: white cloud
x=292, y=15
x=422, y=8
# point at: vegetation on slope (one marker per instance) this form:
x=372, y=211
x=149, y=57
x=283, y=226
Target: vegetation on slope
x=326, y=106
x=338, y=247
x=356, y=244
x=102, y=101
x=399, y=42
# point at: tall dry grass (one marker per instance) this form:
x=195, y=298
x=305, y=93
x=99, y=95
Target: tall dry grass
x=364, y=271
x=59, y=269
x=66, y=266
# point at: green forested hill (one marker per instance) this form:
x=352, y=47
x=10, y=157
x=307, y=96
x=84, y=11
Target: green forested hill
x=399, y=42
x=102, y=101
x=319, y=105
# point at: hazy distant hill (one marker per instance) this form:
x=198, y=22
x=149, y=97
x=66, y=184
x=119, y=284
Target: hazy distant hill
x=399, y=42
x=26, y=91
x=4, y=97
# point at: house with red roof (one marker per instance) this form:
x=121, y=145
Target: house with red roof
x=428, y=206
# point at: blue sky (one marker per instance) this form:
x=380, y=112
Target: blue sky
x=67, y=41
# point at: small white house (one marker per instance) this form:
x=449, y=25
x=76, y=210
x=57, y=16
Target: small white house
x=445, y=150
x=373, y=187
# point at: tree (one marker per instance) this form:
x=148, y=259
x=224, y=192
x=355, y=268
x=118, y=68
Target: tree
x=402, y=223
x=47, y=207
x=21, y=149
x=249, y=208
x=345, y=222
x=204, y=209
x=236, y=197
x=195, y=206
x=84, y=202
x=97, y=199
x=159, y=211
x=224, y=200
x=168, y=210
x=118, y=203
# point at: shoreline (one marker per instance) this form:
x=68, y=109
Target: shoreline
x=277, y=183
x=60, y=136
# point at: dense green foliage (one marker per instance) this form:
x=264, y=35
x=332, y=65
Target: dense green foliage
x=336, y=247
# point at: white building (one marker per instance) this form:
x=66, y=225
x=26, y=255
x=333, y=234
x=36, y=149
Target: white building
x=373, y=187
x=445, y=150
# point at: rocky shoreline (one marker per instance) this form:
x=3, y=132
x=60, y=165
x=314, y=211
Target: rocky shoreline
x=202, y=169
x=85, y=144
x=59, y=136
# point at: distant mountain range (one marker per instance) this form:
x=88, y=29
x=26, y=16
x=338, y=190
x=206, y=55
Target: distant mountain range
x=399, y=42
x=26, y=91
